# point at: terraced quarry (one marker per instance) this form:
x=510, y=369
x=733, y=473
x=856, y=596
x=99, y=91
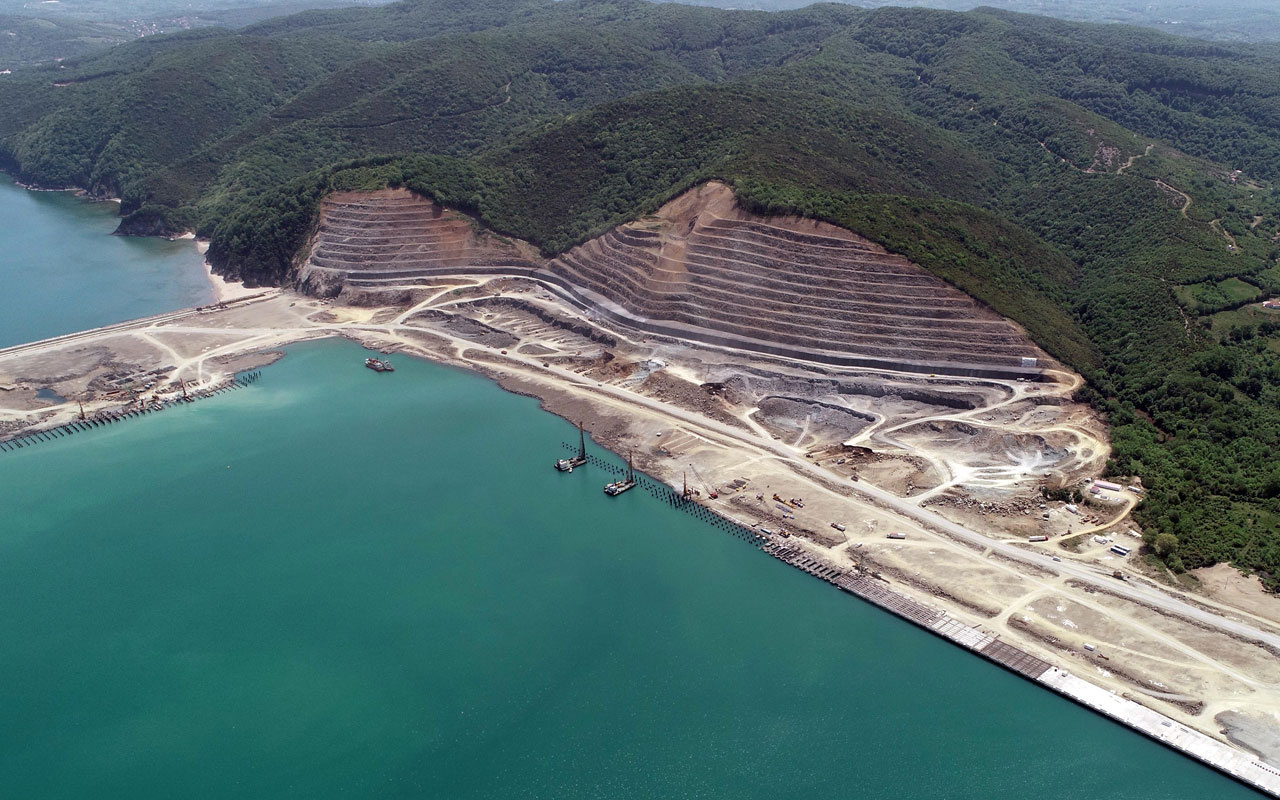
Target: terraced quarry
x=392, y=237
x=700, y=269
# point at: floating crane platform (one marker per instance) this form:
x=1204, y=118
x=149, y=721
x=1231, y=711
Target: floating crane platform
x=627, y=483
x=567, y=464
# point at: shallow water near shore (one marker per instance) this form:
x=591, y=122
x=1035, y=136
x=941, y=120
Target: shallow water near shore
x=62, y=271
x=338, y=583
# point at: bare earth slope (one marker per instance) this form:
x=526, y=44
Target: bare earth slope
x=392, y=235
x=700, y=269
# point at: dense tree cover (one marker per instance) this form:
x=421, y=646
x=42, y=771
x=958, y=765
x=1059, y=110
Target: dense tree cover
x=115, y=10
x=46, y=32
x=1072, y=177
x=1231, y=20
x=32, y=40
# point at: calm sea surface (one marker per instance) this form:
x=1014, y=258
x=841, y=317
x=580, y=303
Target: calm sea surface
x=339, y=584
x=62, y=271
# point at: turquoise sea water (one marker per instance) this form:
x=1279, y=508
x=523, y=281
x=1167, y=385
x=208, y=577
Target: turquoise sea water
x=62, y=271
x=339, y=584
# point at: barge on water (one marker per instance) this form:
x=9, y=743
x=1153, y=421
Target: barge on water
x=618, y=487
x=379, y=365
x=567, y=464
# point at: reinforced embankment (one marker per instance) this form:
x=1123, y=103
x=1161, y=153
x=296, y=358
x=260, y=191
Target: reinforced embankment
x=1224, y=758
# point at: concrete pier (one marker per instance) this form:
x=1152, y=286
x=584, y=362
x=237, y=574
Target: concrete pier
x=1228, y=760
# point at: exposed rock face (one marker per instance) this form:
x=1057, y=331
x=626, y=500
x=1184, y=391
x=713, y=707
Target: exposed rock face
x=389, y=237
x=146, y=222
x=701, y=268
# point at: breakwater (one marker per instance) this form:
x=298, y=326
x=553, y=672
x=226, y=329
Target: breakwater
x=103, y=418
x=1228, y=760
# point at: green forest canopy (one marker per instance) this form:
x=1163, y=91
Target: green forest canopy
x=1229, y=20
x=1110, y=188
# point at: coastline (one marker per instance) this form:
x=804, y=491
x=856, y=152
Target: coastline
x=224, y=291
x=709, y=565
x=1232, y=759
x=623, y=419
x=76, y=190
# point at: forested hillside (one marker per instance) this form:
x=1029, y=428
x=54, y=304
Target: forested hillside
x=44, y=32
x=1227, y=20
x=31, y=40
x=1109, y=188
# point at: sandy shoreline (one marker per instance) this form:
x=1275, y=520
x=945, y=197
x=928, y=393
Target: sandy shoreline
x=224, y=290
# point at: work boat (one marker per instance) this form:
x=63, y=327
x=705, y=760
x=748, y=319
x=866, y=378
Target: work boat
x=379, y=365
x=618, y=487
x=567, y=464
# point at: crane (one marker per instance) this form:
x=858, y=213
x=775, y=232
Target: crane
x=712, y=493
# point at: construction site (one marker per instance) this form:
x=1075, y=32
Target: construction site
x=864, y=417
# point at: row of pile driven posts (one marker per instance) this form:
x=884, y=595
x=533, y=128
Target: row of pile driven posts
x=103, y=418
x=674, y=499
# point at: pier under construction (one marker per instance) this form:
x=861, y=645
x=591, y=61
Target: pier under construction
x=876, y=590
x=137, y=408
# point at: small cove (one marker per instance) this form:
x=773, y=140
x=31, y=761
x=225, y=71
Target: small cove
x=62, y=271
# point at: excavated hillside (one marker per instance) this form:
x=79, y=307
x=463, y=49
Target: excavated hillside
x=701, y=269
x=392, y=237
